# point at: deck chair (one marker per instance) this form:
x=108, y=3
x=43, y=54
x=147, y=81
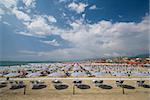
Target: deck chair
x=119, y=83
x=38, y=84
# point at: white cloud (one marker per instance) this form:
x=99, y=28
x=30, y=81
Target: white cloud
x=0, y=18
x=25, y=33
x=1, y=11
x=62, y=1
x=9, y=3
x=78, y=7
x=103, y=38
x=39, y=27
x=120, y=16
x=21, y=15
x=29, y=3
x=6, y=23
x=96, y=40
x=52, y=19
x=93, y=7
x=53, y=42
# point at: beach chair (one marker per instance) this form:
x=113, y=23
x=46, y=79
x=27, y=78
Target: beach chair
x=83, y=86
x=141, y=84
x=16, y=85
x=56, y=81
x=59, y=85
x=119, y=83
x=77, y=82
x=99, y=83
x=38, y=84
x=3, y=84
x=80, y=85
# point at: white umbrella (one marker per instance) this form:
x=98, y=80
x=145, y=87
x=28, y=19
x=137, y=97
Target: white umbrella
x=34, y=74
x=77, y=74
x=77, y=68
x=119, y=74
x=1, y=75
x=88, y=68
x=56, y=74
x=140, y=74
x=12, y=75
x=97, y=74
x=66, y=68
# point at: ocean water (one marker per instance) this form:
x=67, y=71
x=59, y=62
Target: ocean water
x=13, y=63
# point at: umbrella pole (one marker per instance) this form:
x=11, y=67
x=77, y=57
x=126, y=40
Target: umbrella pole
x=73, y=89
x=123, y=90
x=24, y=90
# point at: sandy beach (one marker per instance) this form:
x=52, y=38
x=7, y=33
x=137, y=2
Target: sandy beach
x=50, y=93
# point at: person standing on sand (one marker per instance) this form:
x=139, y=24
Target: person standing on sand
x=7, y=78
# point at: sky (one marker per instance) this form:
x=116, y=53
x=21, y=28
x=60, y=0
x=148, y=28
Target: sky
x=73, y=29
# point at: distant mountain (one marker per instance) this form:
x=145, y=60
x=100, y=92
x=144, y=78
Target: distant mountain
x=141, y=56
x=13, y=63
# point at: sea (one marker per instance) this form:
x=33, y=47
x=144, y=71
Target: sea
x=14, y=63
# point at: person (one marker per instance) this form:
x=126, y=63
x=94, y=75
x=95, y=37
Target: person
x=7, y=78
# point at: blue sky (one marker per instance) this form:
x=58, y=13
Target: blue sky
x=72, y=29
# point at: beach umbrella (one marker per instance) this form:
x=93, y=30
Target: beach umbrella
x=52, y=68
x=56, y=74
x=77, y=68
x=1, y=75
x=76, y=65
x=77, y=74
x=119, y=74
x=88, y=68
x=12, y=75
x=97, y=74
x=36, y=74
x=66, y=68
x=140, y=74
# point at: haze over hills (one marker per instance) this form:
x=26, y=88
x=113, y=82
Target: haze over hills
x=8, y=63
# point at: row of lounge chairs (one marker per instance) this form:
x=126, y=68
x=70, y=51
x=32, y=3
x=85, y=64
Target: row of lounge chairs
x=59, y=85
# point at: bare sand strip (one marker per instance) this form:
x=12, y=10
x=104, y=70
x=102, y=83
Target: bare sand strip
x=42, y=78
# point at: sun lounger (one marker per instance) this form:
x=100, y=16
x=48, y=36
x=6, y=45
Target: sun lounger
x=38, y=85
x=104, y=86
x=99, y=83
x=127, y=86
x=3, y=84
x=141, y=84
x=77, y=82
x=17, y=85
x=83, y=86
x=119, y=83
x=59, y=85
